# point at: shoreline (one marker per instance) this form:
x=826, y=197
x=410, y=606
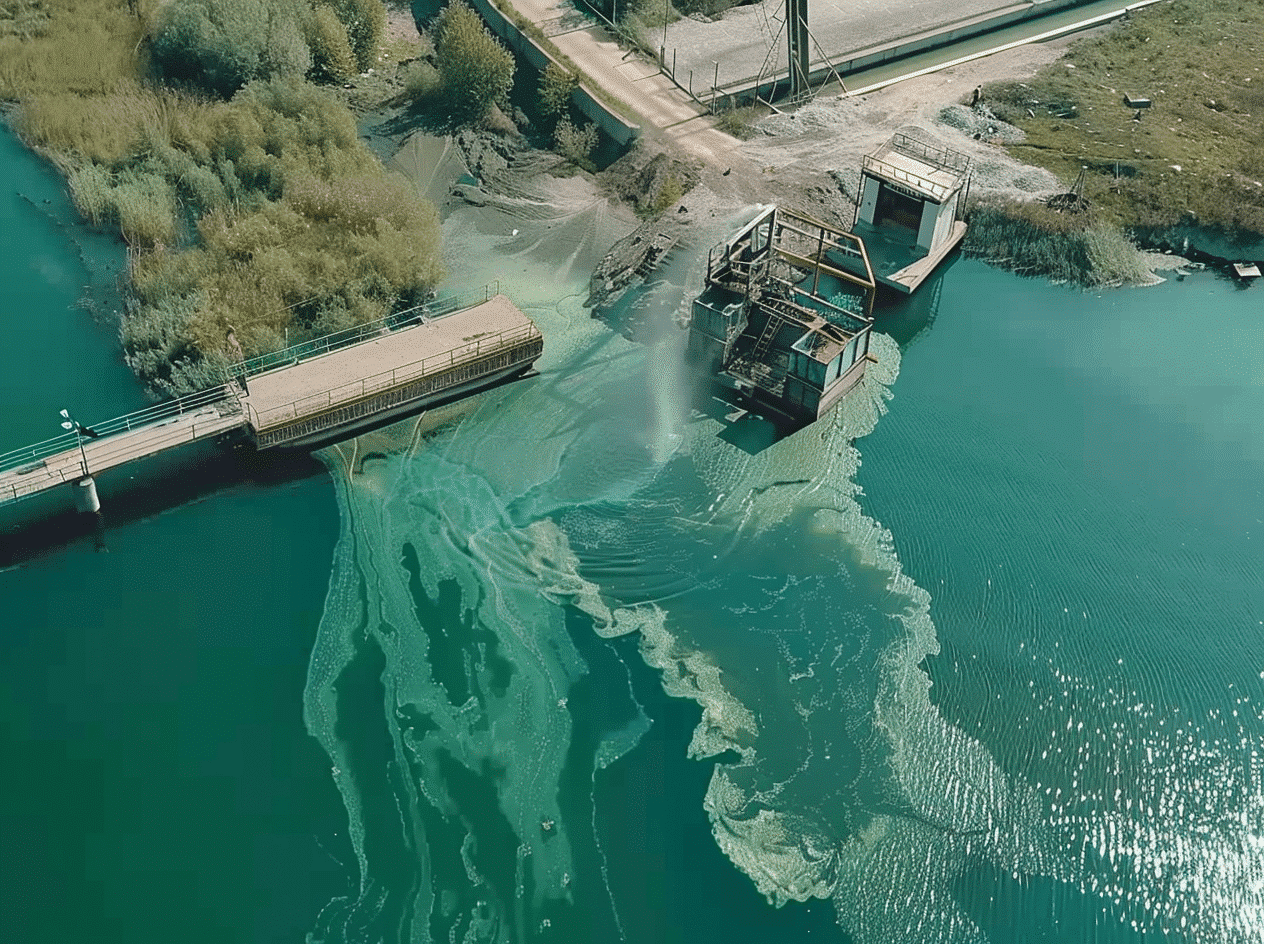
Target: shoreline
x=807, y=159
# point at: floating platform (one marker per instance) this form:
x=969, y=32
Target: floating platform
x=908, y=210
x=778, y=321
x=900, y=264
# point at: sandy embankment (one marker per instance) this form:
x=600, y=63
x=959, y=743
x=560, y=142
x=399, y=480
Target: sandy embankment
x=807, y=158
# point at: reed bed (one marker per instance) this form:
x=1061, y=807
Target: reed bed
x=1031, y=239
x=263, y=212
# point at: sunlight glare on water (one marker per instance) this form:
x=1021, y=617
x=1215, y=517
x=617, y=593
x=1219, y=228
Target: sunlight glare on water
x=763, y=590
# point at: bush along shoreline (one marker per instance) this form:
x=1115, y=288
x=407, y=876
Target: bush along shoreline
x=1030, y=238
x=1180, y=170
x=245, y=196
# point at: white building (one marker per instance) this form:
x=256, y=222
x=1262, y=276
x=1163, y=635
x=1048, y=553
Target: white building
x=912, y=196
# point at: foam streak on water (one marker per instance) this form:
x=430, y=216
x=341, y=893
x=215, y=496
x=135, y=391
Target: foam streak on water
x=760, y=589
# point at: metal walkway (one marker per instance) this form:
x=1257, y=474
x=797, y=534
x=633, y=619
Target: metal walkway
x=316, y=389
x=32, y=469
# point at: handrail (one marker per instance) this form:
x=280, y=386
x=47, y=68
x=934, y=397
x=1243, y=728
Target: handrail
x=114, y=450
x=385, y=380
x=908, y=177
x=36, y=455
x=942, y=157
x=150, y=416
x=314, y=347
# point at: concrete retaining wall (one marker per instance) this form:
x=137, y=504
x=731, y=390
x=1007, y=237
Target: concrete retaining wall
x=614, y=125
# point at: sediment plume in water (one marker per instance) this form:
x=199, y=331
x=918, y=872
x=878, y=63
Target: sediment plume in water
x=761, y=590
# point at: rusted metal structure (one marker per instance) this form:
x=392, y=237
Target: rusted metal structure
x=784, y=318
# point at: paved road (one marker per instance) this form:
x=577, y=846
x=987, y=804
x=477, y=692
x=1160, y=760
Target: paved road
x=743, y=37
x=661, y=108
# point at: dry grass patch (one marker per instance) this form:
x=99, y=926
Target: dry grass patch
x=1196, y=155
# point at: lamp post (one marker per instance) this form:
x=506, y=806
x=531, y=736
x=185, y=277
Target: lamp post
x=85, y=489
x=70, y=423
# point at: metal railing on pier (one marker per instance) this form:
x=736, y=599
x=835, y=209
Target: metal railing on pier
x=315, y=347
x=398, y=377
x=150, y=416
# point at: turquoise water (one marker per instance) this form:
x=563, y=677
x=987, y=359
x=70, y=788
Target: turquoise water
x=158, y=784
x=595, y=657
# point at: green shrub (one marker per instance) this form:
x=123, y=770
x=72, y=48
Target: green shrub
x=364, y=20
x=421, y=80
x=475, y=70
x=669, y=194
x=556, y=87
x=575, y=143
x=264, y=211
x=332, y=57
x=221, y=45
x=739, y=122
x=156, y=337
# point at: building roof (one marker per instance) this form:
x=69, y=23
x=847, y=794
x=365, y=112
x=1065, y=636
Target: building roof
x=931, y=171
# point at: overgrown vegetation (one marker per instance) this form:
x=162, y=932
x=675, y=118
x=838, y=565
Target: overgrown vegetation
x=739, y=122
x=475, y=72
x=221, y=45
x=1196, y=156
x=575, y=142
x=262, y=211
x=556, y=87
x=528, y=28
x=1031, y=239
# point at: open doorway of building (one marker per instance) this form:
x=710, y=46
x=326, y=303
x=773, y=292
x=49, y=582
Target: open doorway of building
x=897, y=209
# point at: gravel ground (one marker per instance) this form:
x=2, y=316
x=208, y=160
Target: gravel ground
x=822, y=143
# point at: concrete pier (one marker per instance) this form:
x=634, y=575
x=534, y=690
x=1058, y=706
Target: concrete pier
x=317, y=392
x=389, y=374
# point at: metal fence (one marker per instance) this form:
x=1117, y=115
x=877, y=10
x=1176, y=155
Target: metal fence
x=315, y=347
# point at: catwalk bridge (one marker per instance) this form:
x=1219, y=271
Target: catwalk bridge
x=311, y=392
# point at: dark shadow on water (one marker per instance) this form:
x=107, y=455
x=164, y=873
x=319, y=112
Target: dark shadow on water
x=752, y=433
x=131, y=493
x=746, y=425
x=906, y=318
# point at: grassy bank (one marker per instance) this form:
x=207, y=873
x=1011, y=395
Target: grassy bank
x=262, y=212
x=1195, y=157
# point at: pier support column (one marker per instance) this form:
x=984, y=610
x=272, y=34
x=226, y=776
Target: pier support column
x=86, y=499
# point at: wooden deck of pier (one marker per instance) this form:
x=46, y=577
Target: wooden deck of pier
x=20, y=479
x=314, y=397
